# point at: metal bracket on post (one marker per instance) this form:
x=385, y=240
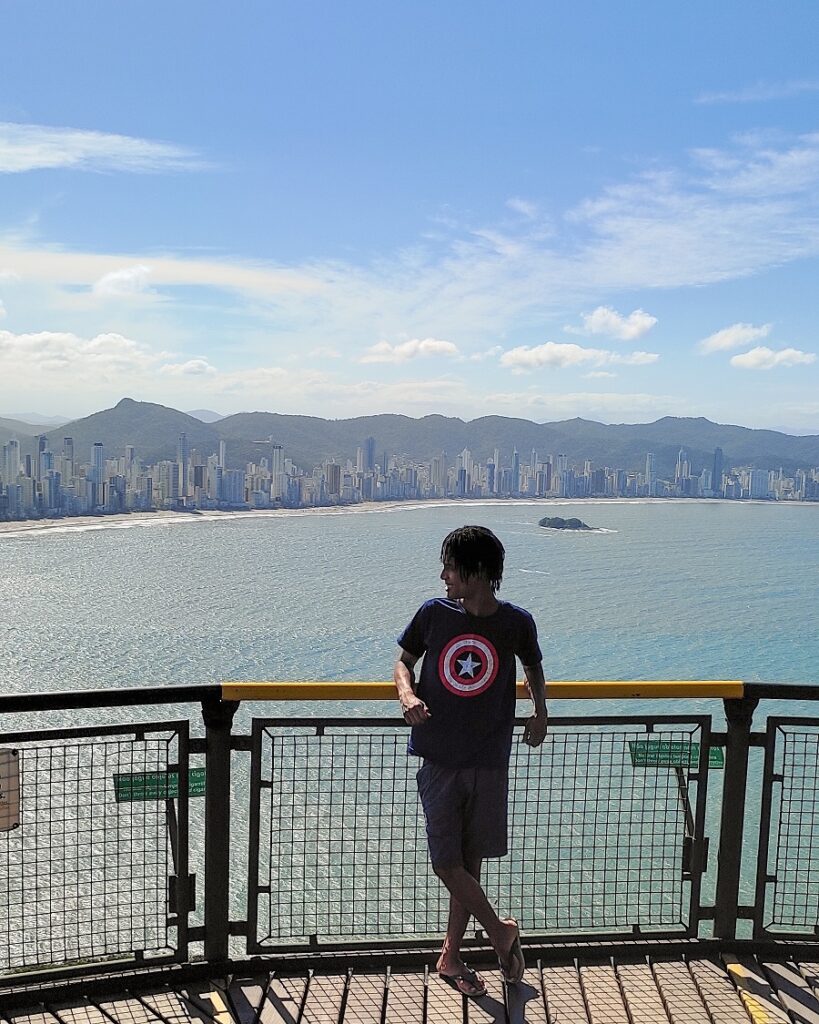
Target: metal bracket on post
x=218, y=718
x=739, y=714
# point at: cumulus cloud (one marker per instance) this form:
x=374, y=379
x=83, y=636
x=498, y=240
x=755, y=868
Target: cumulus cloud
x=560, y=356
x=763, y=358
x=734, y=336
x=127, y=281
x=191, y=368
x=609, y=322
x=28, y=147
x=383, y=352
x=105, y=356
x=595, y=374
x=489, y=353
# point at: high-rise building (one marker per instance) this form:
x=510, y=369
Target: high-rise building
x=368, y=455
x=183, y=454
x=651, y=476
x=716, y=472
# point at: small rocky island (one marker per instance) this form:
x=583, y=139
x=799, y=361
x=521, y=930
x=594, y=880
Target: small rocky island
x=558, y=523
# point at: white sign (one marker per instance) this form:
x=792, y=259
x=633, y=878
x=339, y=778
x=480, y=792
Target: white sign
x=9, y=790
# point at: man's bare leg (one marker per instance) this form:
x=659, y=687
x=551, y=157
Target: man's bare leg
x=467, y=899
x=450, y=962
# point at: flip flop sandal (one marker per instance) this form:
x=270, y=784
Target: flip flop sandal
x=513, y=969
x=467, y=977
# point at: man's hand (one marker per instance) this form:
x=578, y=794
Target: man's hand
x=415, y=710
x=534, y=732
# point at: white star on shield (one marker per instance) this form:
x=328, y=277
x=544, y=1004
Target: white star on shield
x=468, y=665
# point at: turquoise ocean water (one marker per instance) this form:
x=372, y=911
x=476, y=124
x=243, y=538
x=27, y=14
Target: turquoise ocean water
x=677, y=590
x=659, y=590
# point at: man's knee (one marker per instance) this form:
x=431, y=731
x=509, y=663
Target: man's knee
x=447, y=872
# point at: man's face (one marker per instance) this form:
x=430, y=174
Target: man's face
x=457, y=588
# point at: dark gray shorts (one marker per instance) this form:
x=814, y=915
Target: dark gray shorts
x=465, y=812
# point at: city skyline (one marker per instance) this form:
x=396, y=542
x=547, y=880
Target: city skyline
x=548, y=212
x=46, y=484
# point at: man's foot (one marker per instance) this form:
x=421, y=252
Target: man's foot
x=468, y=982
x=510, y=957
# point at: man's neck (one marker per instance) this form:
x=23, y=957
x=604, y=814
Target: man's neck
x=481, y=604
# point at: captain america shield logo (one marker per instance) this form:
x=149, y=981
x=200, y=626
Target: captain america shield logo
x=468, y=665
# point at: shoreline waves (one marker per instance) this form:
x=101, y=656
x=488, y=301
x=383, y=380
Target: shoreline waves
x=27, y=528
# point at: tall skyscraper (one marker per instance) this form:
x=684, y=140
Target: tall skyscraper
x=183, y=454
x=369, y=454
x=651, y=476
x=716, y=472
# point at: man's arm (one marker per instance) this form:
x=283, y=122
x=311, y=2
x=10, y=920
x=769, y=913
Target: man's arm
x=415, y=710
x=534, y=732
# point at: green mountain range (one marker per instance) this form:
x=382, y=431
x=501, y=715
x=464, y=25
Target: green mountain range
x=310, y=440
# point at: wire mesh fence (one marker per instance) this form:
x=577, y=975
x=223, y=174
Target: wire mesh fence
x=87, y=836
x=789, y=863
x=601, y=822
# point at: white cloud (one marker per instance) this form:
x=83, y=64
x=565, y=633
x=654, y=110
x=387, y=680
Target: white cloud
x=192, y=368
x=28, y=147
x=560, y=356
x=2, y=309
x=761, y=92
x=522, y=206
x=594, y=374
x=734, y=336
x=489, y=353
x=609, y=322
x=127, y=281
x=762, y=358
x=383, y=352
x=109, y=358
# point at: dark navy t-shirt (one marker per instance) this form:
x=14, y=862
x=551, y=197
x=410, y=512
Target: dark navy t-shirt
x=467, y=680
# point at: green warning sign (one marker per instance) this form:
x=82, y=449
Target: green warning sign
x=156, y=785
x=671, y=754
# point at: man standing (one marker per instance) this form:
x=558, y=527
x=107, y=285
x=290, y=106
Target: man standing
x=462, y=716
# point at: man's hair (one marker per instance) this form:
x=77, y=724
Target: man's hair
x=475, y=551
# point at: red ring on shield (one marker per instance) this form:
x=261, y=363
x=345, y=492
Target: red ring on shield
x=468, y=665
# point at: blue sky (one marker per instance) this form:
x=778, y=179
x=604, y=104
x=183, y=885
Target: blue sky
x=533, y=209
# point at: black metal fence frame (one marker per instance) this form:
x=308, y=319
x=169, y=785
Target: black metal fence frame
x=220, y=743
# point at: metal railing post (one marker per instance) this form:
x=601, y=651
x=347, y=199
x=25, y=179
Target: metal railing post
x=218, y=718
x=739, y=715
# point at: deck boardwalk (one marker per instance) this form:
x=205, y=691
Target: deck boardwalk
x=585, y=991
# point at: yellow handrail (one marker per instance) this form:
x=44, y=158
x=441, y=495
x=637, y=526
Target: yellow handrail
x=595, y=690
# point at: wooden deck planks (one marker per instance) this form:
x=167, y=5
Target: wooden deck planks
x=525, y=1001
x=283, y=1000
x=365, y=998
x=405, y=998
x=679, y=993
x=700, y=991
x=324, y=995
x=757, y=995
x=793, y=992
x=444, y=1004
x=78, y=1014
x=29, y=1017
x=718, y=993
x=641, y=994
x=245, y=996
x=602, y=993
x=564, y=995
